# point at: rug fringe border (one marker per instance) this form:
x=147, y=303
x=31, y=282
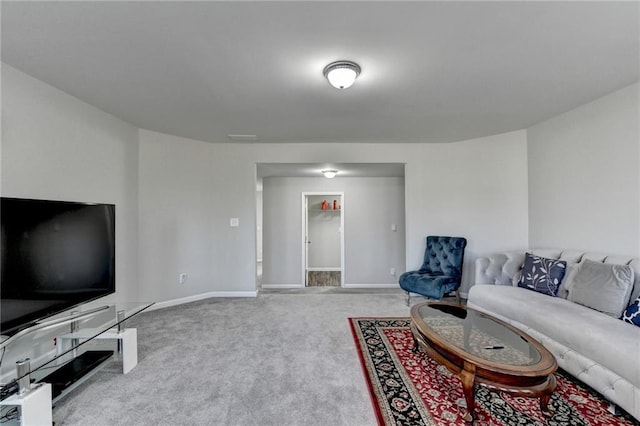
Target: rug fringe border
x=363, y=363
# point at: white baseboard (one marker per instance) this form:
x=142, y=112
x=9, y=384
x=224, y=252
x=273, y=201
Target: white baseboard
x=267, y=286
x=371, y=286
x=276, y=286
x=188, y=299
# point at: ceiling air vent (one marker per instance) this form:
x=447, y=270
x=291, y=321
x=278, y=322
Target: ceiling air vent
x=243, y=138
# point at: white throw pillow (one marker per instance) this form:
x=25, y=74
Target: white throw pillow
x=601, y=286
x=569, y=278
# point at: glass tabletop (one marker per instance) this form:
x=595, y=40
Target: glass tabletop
x=478, y=334
x=55, y=340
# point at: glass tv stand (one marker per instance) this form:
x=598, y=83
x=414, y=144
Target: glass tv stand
x=64, y=350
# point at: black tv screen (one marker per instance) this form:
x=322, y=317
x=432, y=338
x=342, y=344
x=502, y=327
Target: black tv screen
x=54, y=255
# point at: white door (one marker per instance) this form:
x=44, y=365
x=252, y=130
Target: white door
x=323, y=239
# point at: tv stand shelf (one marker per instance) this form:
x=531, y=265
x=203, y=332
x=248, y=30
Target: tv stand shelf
x=127, y=343
x=70, y=373
x=79, y=339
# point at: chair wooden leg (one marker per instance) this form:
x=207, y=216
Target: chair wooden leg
x=408, y=299
x=458, y=297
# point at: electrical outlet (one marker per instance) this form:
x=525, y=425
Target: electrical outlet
x=392, y=271
x=183, y=278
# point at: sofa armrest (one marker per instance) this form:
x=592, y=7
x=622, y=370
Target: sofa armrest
x=499, y=268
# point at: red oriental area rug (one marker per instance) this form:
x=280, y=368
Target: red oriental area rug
x=410, y=388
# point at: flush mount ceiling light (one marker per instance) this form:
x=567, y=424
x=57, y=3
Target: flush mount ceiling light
x=342, y=74
x=329, y=173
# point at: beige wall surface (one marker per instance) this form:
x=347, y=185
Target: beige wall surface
x=190, y=189
x=371, y=206
x=57, y=147
x=584, y=177
x=175, y=196
x=571, y=181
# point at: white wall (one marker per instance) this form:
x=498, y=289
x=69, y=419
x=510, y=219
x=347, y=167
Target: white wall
x=189, y=190
x=175, y=196
x=475, y=189
x=56, y=147
x=584, y=177
x=188, y=193
x=371, y=205
x=575, y=183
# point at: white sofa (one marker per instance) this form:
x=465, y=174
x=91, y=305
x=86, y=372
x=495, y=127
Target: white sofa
x=599, y=350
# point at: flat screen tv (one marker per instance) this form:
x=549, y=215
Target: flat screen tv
x=54, y=255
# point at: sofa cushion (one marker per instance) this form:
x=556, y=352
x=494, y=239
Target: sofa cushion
x=585, y=330
x=632, y=313
x=601, y=286
x=542, y=274
x=572, y=268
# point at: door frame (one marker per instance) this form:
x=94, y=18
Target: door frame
x=305, y=220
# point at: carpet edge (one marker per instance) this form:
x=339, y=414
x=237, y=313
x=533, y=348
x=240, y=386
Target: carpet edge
x=363, y=365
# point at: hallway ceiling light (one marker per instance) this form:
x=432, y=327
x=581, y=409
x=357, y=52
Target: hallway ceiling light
x=329, y=174
x=342, y=74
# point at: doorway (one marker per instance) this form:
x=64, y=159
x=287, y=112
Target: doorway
x=323, y=239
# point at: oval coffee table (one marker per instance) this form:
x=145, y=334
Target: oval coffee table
x=483, y=350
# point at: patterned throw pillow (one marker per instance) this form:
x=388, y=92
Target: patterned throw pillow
x=632, y=313
x=541, y=274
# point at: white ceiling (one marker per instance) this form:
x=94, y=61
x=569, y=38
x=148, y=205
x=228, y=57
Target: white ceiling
x=266, y=170
x=431, y=71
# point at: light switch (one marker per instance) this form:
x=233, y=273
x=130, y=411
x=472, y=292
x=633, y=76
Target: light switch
x=234, y=222
x=393, y=227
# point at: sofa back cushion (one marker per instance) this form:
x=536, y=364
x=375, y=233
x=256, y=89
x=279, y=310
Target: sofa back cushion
x=600, y=286
x=501, y=268
x=635, y=265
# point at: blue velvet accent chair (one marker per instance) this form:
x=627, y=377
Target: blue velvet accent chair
x=441, y=270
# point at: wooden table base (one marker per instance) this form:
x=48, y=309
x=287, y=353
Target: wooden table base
x=468, y=374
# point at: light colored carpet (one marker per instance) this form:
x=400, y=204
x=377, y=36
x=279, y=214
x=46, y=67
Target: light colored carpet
x=283, y=358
